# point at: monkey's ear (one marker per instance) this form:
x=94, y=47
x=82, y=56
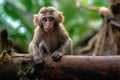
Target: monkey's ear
x=35, y=19
x=60, y=17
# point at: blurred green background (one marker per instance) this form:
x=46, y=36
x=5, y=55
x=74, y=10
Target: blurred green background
x=17, y=17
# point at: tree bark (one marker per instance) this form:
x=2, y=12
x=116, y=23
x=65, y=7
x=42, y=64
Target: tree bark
x=69, y=67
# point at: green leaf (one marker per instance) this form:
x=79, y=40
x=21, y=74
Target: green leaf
x=28, y=4
x=10, y=10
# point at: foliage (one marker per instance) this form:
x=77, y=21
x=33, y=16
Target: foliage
x=17, y=17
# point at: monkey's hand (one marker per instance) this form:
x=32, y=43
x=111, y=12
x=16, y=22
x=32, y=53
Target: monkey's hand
x=39, y=60
x=56, y=56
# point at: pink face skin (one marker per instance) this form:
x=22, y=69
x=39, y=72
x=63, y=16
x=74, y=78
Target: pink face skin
x=48, y=23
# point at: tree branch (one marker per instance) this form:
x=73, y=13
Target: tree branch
x=92, y=8
x=69, y=67
x=115, y=23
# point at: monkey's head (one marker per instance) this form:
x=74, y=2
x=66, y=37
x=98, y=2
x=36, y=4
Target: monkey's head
x=48, y=18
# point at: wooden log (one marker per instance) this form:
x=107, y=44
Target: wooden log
x=69, y=67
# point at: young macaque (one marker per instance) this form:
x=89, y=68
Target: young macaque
x=50, y=36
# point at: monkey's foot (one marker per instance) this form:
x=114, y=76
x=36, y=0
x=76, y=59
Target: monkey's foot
x=56, y=56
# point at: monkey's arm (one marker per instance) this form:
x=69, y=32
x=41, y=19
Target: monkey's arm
x=65, y=48
x=35, y=49
x=67, y=45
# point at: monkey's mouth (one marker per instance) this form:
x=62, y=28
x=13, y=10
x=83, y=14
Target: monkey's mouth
x=48, y=29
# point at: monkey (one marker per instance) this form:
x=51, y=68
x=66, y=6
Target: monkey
x=50, y=36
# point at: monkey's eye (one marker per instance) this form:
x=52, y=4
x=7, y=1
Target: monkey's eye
x=51, y=19
x=44, y=19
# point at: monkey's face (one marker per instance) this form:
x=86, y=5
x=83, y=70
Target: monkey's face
x=48, y=18
x=48, y=23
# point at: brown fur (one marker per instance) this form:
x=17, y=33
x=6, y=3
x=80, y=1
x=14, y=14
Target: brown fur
x=56, y=42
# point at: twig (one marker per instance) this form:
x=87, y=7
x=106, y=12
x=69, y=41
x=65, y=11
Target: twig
x=78, y=4
x=116, y=24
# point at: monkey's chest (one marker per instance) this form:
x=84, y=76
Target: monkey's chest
x=53, y=43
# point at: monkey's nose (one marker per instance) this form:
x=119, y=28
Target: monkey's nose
x=48, y=24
